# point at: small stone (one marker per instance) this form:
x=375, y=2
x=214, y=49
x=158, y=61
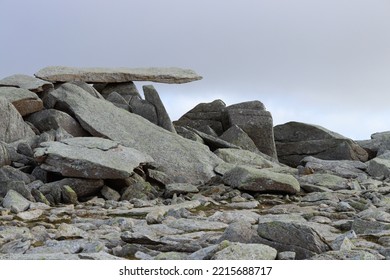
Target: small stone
x=110, y=194
x=16, y=202
x=66, y=231
x=156, y=216
x=30, y=215
x=179, y=188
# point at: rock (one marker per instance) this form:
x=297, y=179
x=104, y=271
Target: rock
x=252, y=118
x=287, y=255
x=260, y=180
x=240, y=231
x=191, y=225
x=329, y=181
x=117, y=75
x=295, y=141
x=379, y=167
x=68, y=195
x=343, y=168
x=345, y=255
x=47, y=120
x=66, y=231
x=16, y=202
x=126, y=90
x=12, y=126
x=9, y=173
x=90, y=157
x=239, y=251
x=19, y=246
x=5, y=158
x=18, y=186
x=179, y=188
x=203, y=115
x=118, y=100
x=150, y=234
x=26, y=82
x=238, y=137
x=189, y=134
x=25, y=101
x=146, y=210
x=299, y=237
x=244, y=157
x=179, y=158
x=144, y=109
x=82, y=187
x=110, y=194
x=229, y=217
x=30, y=215
x=212, y=141
x=163, y=120
x=155, y=216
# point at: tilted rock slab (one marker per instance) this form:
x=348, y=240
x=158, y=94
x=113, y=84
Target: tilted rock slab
x=181, y=159
x=26, y=82
x=90, y=157
x=12, y=126
x=170, y=75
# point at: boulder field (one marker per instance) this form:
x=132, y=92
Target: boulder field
x=90, y=169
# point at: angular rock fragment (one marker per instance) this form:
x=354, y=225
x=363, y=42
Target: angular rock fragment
x=238, y=137
x=260, y=180
x=16, y=202
x=117, y=75
x=90, y=157
x=240, y=251
x=25, y=101
x=26, y=82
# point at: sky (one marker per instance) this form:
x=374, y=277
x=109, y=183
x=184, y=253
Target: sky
x=324, y=62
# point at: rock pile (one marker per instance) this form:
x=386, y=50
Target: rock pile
x=91, y=170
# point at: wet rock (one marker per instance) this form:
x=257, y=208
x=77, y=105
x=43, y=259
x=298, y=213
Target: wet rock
x=260, y=180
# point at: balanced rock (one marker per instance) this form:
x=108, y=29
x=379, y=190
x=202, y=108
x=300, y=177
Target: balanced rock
x=260, y=180
x=26, y=82
x=181, y=159
x=252, y=118
x=12, y=126
x=170, y=75
x=295, y=140
x=90, y=157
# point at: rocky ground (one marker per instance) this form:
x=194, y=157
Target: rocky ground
x=100, y=173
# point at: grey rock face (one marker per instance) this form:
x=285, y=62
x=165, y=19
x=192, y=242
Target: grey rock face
x=299, y=237
x=176, y=156
x=163, y=120
x=16, y=202
x=295, y=140
x=117, y=75
x=379, y=167
x=12, y=126
x=239, y=251
x=126, y=90
x=260, y=180
x=245, y=157
x=238, y=137
x=46, y=120
x=26, y=82
x=252, y=118
x=25, y=101
x=90, y=157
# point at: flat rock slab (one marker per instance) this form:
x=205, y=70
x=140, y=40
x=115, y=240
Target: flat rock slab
x=241, y=251
x=26, y=82
x=171, y=75
x=90, y=157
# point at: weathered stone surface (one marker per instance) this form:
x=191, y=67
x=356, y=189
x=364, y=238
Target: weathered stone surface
x=345, y=255
x=16, y=202
x=90, y=157
x=126, y=90
x=240, y=231
x=332, y=182
x=117, y=75
x=379, y=167
x=46, y=120
x=5, y=158
x=179, y=188
x=179, y=158
x=66, y=231
x=25, y=101
x=295, y=140
x=252, y=118
x=212, y=141
x=203, y=115
x=26, y=82
x=30, y=215
x=238, y=137
x=18, y=186
x=12, y=126
x=239, y=251
x=299, y=237
x=244, y=157
x=260, y=180
x=343, y=168
x=190, y=225
x=118, y=100
x=163, y=119
x=110, y=194
x=82, y=187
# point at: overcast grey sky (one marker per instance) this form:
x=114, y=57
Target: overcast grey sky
x=324, y=62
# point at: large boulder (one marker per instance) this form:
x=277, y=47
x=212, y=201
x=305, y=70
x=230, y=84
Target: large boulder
x=204, y=115
x=90, y=157
x=12, y=126
x=295, y=140
x=181, y=159
x=260, y=180
x=117, y=75
x=252, y=118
